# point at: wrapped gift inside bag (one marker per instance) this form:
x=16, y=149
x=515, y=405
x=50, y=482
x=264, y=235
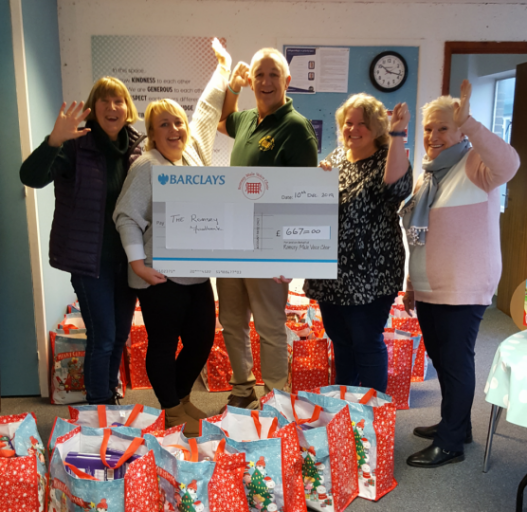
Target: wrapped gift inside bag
x=373, y=419
x=23, y=471
x=273, y=475
x=327, y=443
x=197, y=474
x=73, y=489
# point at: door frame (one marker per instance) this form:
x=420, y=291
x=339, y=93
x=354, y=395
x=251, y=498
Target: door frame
x=476, y=47
x=491, y=47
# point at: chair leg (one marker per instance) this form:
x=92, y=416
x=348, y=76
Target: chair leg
x=495, y=415
x=519, y=496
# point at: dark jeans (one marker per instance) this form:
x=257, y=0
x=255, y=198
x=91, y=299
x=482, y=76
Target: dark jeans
x=107, y=306
x=361, y=357
x=170, y=311
x=449, y=335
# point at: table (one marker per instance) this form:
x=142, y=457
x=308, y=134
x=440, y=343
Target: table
x=506, y=389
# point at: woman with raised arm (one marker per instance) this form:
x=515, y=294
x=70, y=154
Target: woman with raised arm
x=88, y=168
x=452, y=226
x=374, y=177
x=178, y=306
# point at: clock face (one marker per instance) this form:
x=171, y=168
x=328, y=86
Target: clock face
x=388, y=71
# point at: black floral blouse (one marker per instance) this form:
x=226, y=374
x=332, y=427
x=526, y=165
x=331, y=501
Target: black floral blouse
x=371, y=252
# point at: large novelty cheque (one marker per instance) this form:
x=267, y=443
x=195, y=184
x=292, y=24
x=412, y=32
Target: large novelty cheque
x=242, y=222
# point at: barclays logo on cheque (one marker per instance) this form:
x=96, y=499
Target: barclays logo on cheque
x=189, y=179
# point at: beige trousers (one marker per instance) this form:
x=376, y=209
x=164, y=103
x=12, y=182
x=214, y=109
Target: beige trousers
x=266, y=299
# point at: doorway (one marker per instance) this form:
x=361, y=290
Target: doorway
x=496, y=103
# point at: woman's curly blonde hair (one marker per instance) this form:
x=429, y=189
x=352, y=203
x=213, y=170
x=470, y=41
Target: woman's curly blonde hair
x=375, y=116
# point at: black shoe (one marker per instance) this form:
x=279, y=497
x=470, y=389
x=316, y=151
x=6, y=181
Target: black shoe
x=430, y=432
x=434, y=457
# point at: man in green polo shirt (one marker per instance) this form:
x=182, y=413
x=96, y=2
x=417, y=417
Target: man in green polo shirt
x=273, y=134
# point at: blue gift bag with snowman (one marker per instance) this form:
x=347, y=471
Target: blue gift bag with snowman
x=72, y=489
x=198, y=475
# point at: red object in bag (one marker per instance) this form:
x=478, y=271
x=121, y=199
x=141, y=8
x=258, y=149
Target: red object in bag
x=310, y=366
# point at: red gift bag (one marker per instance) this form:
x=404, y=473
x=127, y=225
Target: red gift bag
x=310, y=364
x=400, y=354
x=217, y=372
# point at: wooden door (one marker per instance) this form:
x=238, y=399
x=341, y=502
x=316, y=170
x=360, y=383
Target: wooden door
x=514, y=219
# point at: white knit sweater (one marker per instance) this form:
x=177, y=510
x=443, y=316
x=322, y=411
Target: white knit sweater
x=133, y=212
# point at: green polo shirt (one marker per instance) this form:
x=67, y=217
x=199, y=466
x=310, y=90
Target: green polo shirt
x=283, y=139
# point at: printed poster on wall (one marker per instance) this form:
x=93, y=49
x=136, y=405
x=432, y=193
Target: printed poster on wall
x=157, y=67
x=320, y=69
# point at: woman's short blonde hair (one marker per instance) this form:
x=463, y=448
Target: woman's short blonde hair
x=110, y=86
x=443, y=103
x=158, y=106
x=375, y=116
x=270, y=52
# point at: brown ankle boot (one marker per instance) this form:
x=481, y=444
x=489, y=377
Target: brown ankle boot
x=176, y=416
x=192, y=410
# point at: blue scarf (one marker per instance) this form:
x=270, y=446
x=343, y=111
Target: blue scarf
x=416, y=211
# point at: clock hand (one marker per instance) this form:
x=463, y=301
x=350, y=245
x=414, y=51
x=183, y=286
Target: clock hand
x=389, y=71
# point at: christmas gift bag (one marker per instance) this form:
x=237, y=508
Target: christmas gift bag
x=273, y=475
x=67, y=371
x=61, y=427
x=146, y=419
x=112, y=471
x=137, y=420
x=73, y=307
x=217, y=372
x=197, y=474
x=327, y=444
x=23, y=471
x=373, y=420
x=402, y=350
x=136, y=348
x=310, y=364
x=68, y=347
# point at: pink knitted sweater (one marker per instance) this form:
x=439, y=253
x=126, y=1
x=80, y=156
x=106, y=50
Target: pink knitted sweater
x=460, y=262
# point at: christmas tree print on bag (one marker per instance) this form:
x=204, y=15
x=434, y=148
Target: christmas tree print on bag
x=326, y=439
x=373, y=420
x=197, y=475
x=273, y=474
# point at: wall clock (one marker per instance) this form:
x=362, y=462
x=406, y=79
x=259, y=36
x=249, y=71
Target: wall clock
x=388, y=71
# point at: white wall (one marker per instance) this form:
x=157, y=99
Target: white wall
x=250, y=25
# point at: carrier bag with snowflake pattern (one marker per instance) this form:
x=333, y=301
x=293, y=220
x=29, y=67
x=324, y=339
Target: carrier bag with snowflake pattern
x=327, y=445
x=73, y=489
x=273, y=474
x=197, y=475
x=373, y=420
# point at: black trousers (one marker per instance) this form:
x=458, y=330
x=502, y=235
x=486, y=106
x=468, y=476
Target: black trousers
x=170, y=311
x=449, y=335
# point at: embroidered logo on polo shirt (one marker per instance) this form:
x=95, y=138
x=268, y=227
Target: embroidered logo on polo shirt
x=266, y=143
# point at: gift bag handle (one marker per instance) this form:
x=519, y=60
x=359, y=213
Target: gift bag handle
x=220, y=450
x=256, y=418
x=368, y=396
x=190, y=455
x=314, y=416
x=132, y=448
x=78, y=473
x=103, y=422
